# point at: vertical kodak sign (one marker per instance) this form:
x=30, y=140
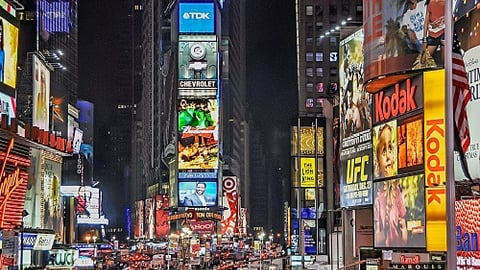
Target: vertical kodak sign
x=435, y=160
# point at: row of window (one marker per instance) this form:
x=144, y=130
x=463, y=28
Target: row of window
x=333, y=41
x=314, y=103
x=309, y=56
x=309, y=72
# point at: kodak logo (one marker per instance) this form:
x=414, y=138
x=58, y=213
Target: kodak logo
x=398, y=103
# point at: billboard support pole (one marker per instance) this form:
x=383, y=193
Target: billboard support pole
x=449, y=123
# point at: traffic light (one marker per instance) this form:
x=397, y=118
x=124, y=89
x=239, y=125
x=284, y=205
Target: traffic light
x=333, y=88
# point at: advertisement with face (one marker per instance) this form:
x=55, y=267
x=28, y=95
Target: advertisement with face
x=399, y=212
x=41, y=94
x=198, y=134
x=384, y=138
x=197, y=66
x=399, y=37
x=8, y=53
x=53, y=209
x=162, y=226
x=201, y=193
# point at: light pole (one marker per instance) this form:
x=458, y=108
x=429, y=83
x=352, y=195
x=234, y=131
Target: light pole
x=261, y=236
x=94, y=246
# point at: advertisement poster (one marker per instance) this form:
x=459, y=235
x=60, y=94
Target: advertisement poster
x=384, y=138
x=139, y=219
x=355, y=181
x=467, y=223
x=41, y=94
x=399, y=213
x=198, y=134
x=308, y=137
x=8, y=52
x=53, y=209
x=162, y=226
x=394, y=35
x=149, y=218
x=197, y=66
x=230, y=191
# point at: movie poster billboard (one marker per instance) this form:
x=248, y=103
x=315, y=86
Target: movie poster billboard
x=52, y=203
x=467, y=27
x=230, y=189
x=399, y=212
x=355, y=125
x=88, y=204
x=395, y=39
x=138, y=227
x=41, y=94
x=162, y=225
x=149, y=218
x=200, y=193
x=467, y=223
x=197, y=66
x=198, y=134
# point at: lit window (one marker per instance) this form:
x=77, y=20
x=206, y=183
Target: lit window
x=309, y=87
x=319, y=102
x=309, y=72
x=333, y=56
x=309, y=41
x=319, y=72
x=320, y=87
x=309, y=56
x=309, y=10
x=309, y=103
x=319, y=56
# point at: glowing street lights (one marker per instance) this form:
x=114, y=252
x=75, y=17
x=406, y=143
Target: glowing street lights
x=260, y=237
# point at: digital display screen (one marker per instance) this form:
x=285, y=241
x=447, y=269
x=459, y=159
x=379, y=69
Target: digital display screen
x=196, y=18
x=202, y=193
x=8, y=53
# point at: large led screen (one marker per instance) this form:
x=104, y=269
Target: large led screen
x=198, y=134
x=201, y=193
x=54, y=16
x=399, y=213
x=53, y=208
x=197, y=66
x=88, y=204
x=395, y=39
x=41, y=94
x=162, y=225
x=196, y=18
x=8, y=53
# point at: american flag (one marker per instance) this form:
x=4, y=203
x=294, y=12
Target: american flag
x=461, y=95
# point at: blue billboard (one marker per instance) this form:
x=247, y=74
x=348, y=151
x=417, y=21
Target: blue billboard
x=196, y=18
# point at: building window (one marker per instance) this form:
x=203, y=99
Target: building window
x=309, y=87
x=333, y=56
x=309, y=72
x=333, y=9
x=333, y=72
x=319, y=27
x=319, y=57
x=309, y=56
x=319, y=103
x=320, y=88
x=333, y=42
x=309, y=103
x=319, y=71
x=309, y=10
x=319, y=11
x=318, y=41
x=309, y=41
x=309, y=28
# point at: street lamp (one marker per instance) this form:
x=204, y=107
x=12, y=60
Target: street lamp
x=261, y=236
x=94, y=246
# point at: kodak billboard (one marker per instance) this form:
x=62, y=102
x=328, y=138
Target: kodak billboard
x=435, y=160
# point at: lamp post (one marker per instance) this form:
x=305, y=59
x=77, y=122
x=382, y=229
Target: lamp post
x=94, y=246
x=261, y=236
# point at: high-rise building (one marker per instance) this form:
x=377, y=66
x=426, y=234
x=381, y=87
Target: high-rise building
x=315, y=211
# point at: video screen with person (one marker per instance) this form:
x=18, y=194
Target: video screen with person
x=198, y=193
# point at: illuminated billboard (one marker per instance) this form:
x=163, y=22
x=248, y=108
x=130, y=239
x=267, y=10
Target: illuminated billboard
x=308, y=137
x=196, y=17
x=394, y=37
x=54, y=16
x=88, y=200
x=15, y=167
x=197, y=66
x=230, y=191
x=467, y=223
x=51, y=200
x=202, y=193
x=41, y=94
x=162, y=225
x=8, y=53
x=399, y=213
x=150, y=218
x=138, y=230
x=197, y=134
x=8, y=106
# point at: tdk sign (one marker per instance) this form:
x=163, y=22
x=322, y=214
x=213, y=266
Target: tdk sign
x=196, y=18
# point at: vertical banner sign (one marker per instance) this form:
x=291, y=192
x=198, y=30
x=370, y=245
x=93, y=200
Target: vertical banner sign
x=229, y=223
x=435, y=160
x=307, y=172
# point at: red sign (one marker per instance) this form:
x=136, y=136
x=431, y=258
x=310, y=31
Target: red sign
x=13, y=186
